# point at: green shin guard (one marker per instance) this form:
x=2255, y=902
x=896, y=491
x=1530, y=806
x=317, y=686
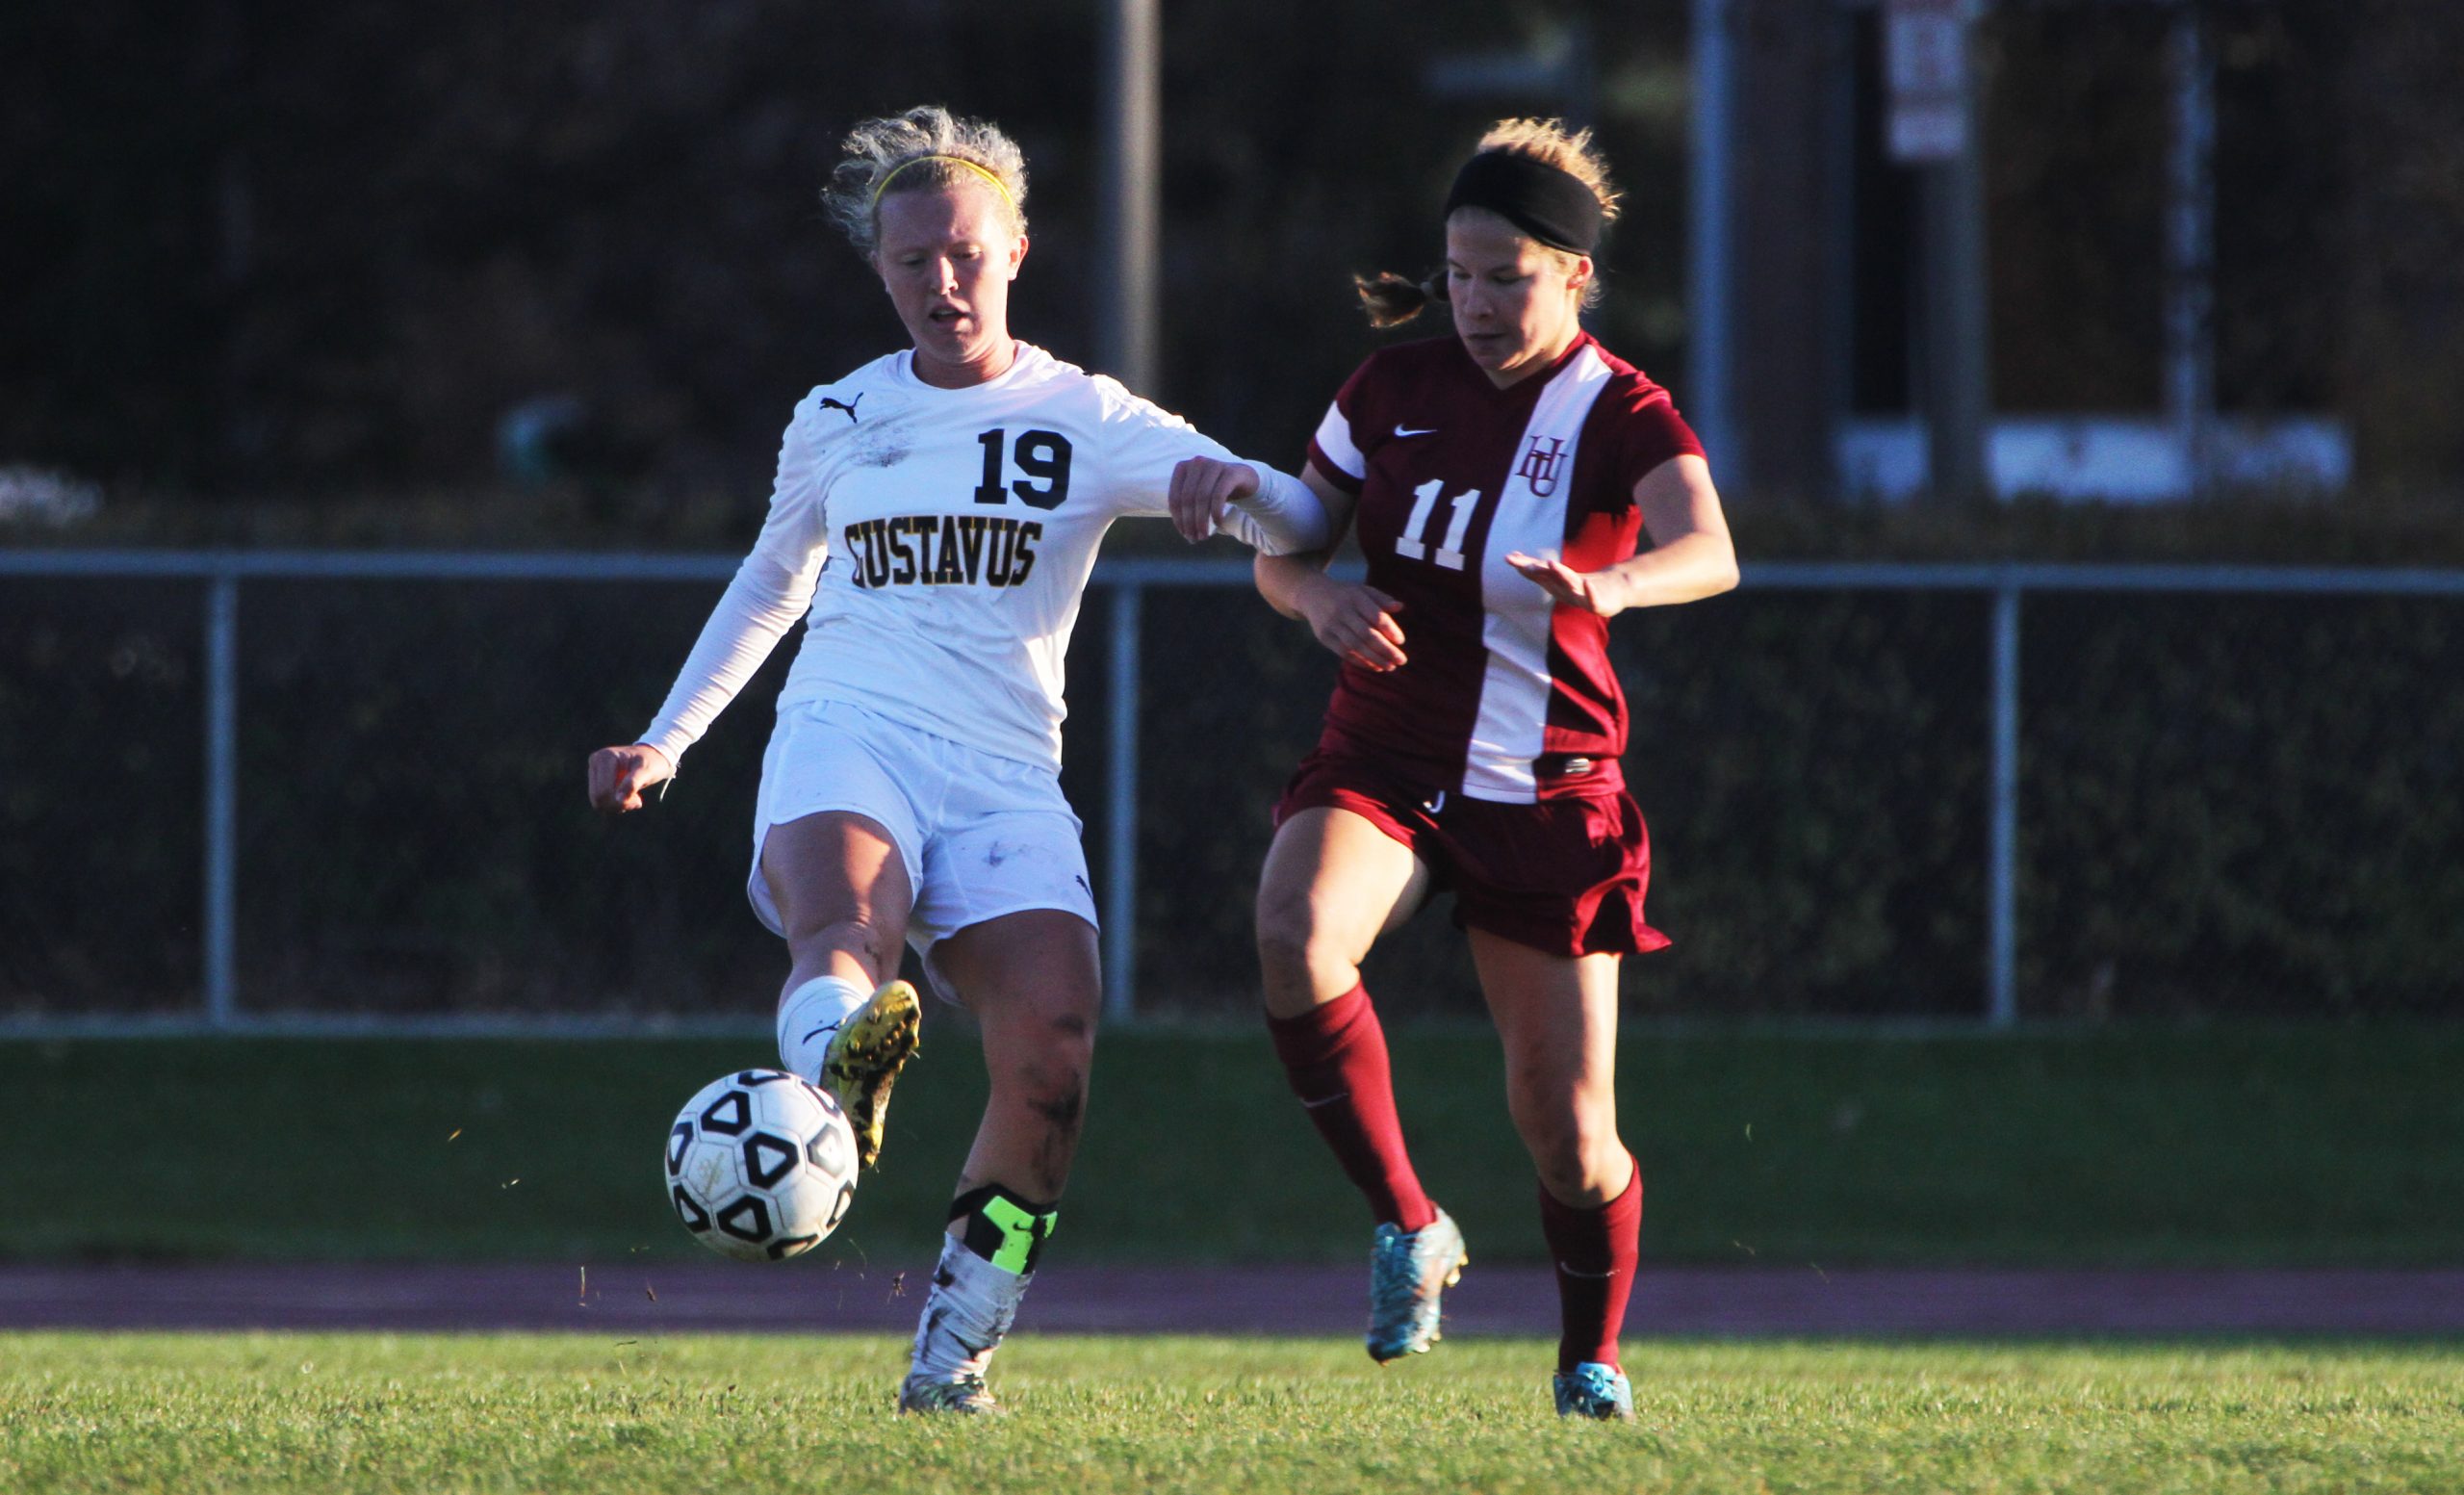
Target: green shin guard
x=1004, y=1228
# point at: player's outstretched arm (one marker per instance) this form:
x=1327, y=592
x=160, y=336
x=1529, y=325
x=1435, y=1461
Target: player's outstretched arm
x=1691, y=554
x=1358, y=622
x=1265, y=509
x=758, y=606
x=618, y=776
x=769, y=592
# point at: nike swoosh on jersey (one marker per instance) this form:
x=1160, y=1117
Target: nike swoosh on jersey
x=1426, y=430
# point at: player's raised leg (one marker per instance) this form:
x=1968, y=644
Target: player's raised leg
x=845, y=1020
x=1031, y=978
x=1333, y=882
x=1558, y=1016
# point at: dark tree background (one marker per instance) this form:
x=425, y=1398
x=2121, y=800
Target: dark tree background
x=270, y=249
x=294, y=247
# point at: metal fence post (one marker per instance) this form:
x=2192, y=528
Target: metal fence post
x=2189, y=248
x=1708, y=275
x=221, y=794
x=2002, y=834
x=1132, y=157
x=1120, y=810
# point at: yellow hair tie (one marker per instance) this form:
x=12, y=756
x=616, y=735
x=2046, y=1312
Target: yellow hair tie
x=998, y=184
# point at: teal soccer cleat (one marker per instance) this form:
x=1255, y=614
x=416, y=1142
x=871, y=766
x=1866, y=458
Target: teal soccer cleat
x=1594, y=1391
x=964, y=1395
x=1406, y=1274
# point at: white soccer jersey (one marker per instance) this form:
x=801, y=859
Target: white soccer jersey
x=942, y=538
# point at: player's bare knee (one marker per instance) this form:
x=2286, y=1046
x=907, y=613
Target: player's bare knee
x=1285, y=926
x=854, y=935
x=1579, y=1159
x=1047, y=1057
x=1061, y=1100
x=1051, y=1087
x=1589, y=1173
x=1068, y=1044
x=1576, y=1191
x=1283, y=959
x=1582, y=1176
x=1062, y=1023
x=1326, y=965
x=1557, y=1150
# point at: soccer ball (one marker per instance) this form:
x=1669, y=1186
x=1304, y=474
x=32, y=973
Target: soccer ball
x=760, y=1165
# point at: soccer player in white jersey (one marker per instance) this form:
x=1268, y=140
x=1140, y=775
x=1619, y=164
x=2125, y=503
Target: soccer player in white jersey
x=1500, y=479
x=934, y=519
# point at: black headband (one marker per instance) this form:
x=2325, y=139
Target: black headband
x=1554, y=207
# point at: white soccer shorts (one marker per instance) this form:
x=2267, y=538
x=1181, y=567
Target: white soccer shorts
x=979, y=836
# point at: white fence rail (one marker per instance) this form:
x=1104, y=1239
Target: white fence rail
x=1127, y=580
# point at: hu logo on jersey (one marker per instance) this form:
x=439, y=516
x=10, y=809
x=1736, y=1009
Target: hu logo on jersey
x=942, y=550
x=1540, y=465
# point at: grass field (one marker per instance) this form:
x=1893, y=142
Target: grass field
x=551, y=1414
x=2222, y=1146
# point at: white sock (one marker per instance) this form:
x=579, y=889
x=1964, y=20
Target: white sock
x=970, y=1308
x=810, y=1016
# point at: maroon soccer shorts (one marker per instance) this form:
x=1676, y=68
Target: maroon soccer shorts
x=1566, y=876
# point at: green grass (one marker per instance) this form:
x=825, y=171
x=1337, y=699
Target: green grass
x=383, y=1413
x=2289, y=1145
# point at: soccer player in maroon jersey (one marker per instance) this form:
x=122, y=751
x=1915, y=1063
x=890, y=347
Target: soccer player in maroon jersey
x=1500, y=479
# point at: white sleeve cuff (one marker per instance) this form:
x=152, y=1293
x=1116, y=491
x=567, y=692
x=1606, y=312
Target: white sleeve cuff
x=1281, y=518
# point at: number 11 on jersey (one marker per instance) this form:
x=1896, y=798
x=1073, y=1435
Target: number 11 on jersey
x=1413, y=543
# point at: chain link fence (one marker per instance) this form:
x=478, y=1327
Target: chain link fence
x=2233, y=793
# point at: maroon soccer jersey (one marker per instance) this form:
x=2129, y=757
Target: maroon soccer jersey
x=1506, y=695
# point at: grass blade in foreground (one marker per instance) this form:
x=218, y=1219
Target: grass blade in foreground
x=569, y=1413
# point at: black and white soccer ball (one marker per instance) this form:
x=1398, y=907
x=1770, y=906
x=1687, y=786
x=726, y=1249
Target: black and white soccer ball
x=760, y=1165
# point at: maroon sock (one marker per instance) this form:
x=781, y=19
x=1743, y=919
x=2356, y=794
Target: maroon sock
x=1335, y=1057
x=1595, y=1252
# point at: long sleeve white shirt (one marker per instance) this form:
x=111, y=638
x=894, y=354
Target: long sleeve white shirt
x=938, y=542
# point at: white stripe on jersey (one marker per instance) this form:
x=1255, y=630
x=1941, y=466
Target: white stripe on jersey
x=1334, y=439
x=1513, y=723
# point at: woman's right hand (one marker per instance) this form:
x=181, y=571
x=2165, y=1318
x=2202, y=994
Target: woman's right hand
x=618, y=775
x=1358, y=622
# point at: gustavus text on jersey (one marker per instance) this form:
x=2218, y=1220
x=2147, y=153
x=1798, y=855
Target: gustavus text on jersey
x=942, y=550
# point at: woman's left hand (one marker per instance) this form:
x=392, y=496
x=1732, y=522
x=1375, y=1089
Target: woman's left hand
x=1202, y=489
x=1571, y=588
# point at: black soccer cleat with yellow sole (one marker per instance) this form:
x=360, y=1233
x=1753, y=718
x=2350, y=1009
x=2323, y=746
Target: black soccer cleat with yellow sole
x=864, y=1059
